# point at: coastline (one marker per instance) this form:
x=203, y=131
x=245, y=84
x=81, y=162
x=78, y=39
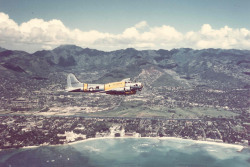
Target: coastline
x=228, y=145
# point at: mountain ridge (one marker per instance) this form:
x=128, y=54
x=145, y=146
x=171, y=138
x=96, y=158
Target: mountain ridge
x=213, y=67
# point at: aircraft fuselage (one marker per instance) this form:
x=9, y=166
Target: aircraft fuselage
x=124, y=87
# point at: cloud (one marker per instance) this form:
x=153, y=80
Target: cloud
x=226, y=38
x=37, y=34
x=141, y=24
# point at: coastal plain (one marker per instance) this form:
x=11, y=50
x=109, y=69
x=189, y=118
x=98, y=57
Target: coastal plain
x=196, y=94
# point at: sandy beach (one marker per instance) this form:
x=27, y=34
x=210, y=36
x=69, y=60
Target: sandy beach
x=238, y=147
x=227, y=145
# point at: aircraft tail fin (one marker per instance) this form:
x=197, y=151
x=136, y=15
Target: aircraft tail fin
x=72, y=82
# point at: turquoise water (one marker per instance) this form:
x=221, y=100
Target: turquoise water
x=129, y=152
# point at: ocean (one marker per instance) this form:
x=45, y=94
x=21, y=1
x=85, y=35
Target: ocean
x=129, y=152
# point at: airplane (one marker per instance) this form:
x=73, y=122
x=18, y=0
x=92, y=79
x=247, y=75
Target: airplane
x=123, y=87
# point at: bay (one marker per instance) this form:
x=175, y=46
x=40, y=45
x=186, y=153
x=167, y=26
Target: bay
x=129, y=152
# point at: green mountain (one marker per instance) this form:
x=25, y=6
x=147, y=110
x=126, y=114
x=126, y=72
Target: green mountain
x=178, y=83
x=215, y=68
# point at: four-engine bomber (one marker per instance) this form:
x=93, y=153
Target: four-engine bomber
x=124, y=87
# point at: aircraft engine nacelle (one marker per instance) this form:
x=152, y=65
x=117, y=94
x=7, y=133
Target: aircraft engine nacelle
x=127, y=88
x=134, y=85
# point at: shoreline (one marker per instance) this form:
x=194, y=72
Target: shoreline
x=239, y=147
x=228, y=145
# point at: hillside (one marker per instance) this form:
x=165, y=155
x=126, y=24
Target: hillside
x=161, y=71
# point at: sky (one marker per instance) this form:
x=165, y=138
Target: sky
x=33, y=25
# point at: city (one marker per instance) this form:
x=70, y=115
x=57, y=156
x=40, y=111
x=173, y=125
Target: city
x=23, y=131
